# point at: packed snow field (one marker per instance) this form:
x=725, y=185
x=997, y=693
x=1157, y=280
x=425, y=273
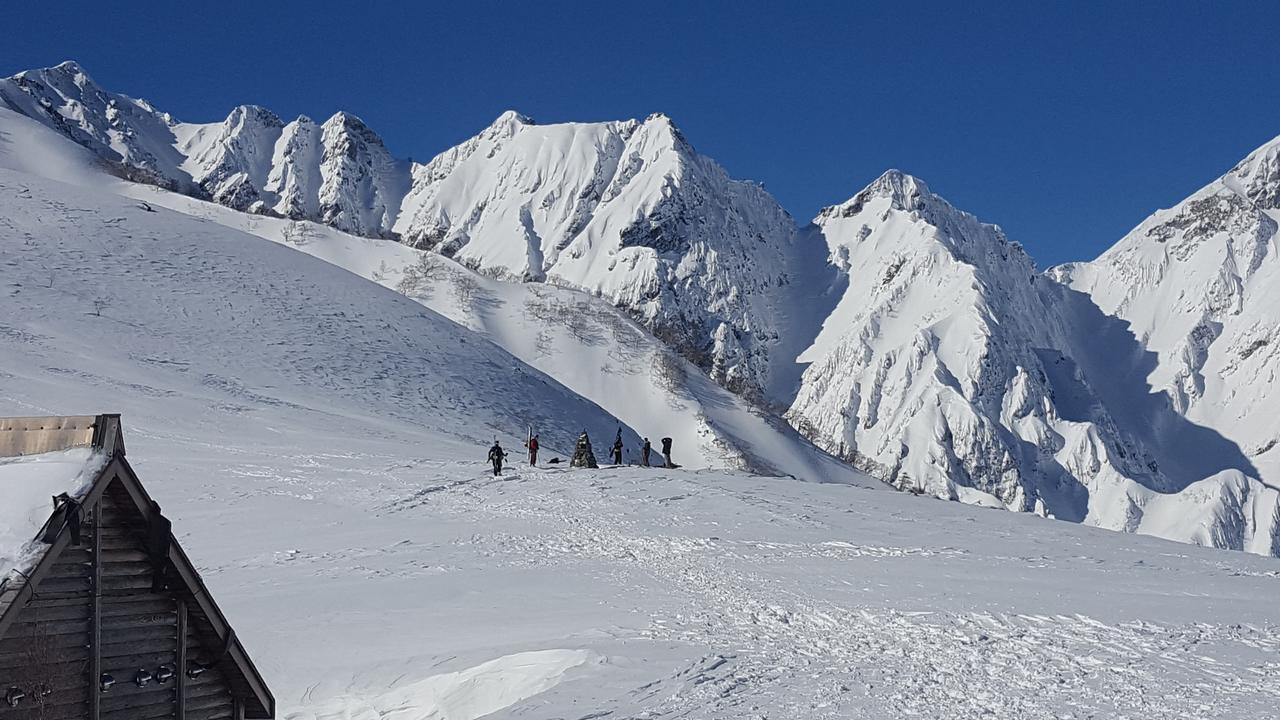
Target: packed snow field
x=375, y=574
x=671, y=594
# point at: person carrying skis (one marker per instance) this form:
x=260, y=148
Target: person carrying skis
x=496, y=456
x=617, y=448
x=644, y=452
x=533, y=450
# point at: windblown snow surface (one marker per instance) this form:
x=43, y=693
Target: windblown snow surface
x=317, y=440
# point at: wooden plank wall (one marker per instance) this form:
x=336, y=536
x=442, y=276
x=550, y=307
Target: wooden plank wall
x=139, y=627
x=47, y=649
x=50, y=646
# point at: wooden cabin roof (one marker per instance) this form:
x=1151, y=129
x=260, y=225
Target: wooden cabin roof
x=103, y=434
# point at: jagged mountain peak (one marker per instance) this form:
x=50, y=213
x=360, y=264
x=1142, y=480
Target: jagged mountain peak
x=346, y=119
x=904, y=192
x=65, y=69
x=898, y=185
x=870, y=215
x=254, y=114
x=512, y=117
x=1258, y=176
x=661, y=127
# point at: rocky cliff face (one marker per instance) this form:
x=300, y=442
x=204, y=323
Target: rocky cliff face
x=1199, y=284
x=294, y=181
x=339, y=173
x=625, y=210
x=133, y=136
x=233, y=159
x=937, y=369
x=951, y=367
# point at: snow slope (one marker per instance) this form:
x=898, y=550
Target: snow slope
x=584, y=342
x=193, y=311
x=446, y=593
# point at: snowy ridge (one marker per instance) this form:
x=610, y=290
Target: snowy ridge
x=130, y=134
x=339, y=173
x=627, y=210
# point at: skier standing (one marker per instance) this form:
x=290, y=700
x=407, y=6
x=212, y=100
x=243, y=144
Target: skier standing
x=533, y=450
x=644, y=452
x=666, y=452
x=496, y=456
x=617, y=448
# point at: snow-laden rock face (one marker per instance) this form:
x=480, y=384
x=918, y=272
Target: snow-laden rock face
x=294, y=180
x=951, y=366
x=339, y=173
x=627, y=210
x=929, y=371
x=122, y=130
x=361, y=184
x=232, y=160
x=1200, y=284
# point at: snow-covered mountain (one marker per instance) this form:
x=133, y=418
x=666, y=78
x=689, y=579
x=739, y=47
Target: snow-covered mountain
x=582, y=340
x=1199, y=284
x=339, y=173
x=951, y=366
x=318, y=442
x=221, y=322
x=628, y=211
x=895, y=331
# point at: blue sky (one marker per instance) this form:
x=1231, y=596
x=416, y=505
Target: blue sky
x=1065, y=123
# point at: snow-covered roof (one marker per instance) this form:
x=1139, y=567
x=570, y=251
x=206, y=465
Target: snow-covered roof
x=28, y=484
x=40, y=458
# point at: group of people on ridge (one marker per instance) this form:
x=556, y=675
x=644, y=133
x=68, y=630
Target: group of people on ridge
x=583, y=455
